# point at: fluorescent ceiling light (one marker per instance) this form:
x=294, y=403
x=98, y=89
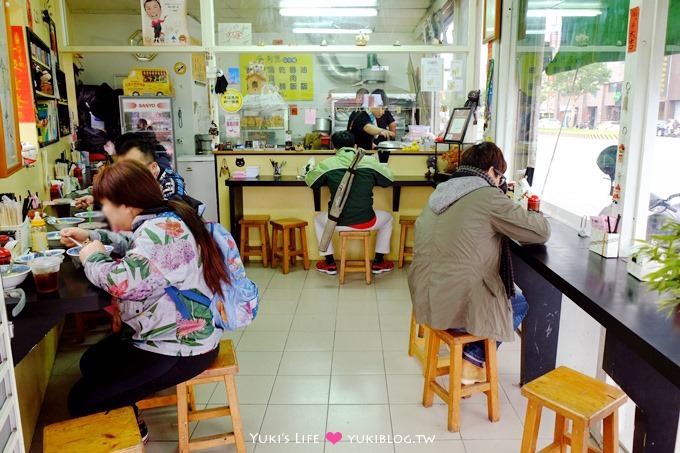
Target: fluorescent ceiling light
x=328, y=3
x=564, y=12
x=332, y=31
x=329, y=12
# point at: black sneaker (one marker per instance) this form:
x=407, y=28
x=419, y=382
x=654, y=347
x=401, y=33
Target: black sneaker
x=143, y=431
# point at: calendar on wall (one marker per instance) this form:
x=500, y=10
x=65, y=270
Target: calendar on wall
x=291, y=74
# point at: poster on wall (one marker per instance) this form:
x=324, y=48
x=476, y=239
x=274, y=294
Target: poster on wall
x=22, y=78
x=234, y=34
x=9, y=140
x=164, y=22
x=432, y=74
x=291, y=74
x=153, y=114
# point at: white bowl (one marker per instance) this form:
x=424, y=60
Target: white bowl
x=25, y=258
x=54, y=239
x=74, y=253
x=97, y=216
x=64, y=222
x=16, y=278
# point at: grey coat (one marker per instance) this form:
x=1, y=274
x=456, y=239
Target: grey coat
x=454, y=279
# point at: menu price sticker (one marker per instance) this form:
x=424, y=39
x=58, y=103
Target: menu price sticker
x=291, y=74
x=232, y=125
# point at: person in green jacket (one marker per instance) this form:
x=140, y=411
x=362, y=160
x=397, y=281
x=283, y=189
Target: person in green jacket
x=358, y=213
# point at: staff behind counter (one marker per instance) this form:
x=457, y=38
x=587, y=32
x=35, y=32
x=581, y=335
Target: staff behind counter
x=364, y=123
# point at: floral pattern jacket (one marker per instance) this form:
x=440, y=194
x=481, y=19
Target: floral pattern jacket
x=158, y=253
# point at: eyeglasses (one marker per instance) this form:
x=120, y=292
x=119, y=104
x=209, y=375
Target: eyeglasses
x=502, y=177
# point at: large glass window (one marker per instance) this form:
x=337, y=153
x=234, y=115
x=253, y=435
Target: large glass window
x=570, y=70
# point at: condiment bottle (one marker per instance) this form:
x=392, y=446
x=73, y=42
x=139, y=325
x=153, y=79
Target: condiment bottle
x=534, y=203
x=38, y=234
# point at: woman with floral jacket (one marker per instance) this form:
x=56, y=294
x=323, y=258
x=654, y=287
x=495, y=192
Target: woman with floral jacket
x=162, y=244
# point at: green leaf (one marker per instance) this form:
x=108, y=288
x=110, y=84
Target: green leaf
x=159, y=331
x=153, y=236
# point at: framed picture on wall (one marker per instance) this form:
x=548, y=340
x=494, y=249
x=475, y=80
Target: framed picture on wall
x=492, y=20
x=10, y=146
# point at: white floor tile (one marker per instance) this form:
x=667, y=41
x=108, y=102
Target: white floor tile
x=369, y=389
x=262, y=341
x=357, y=322
x=358, y=341
x=300, y=390
x=495, y=446
x=162, y=424
x=259, y=362
x=508, y=360
x=310, y=341
x=393, y=295
x=295, y=421
x=414, y=420
x=289, y=448
x=406, y=389
x=475, y=424
x=251, y=419
x=249, y=389
x=319, y=294
x=358, y=362
x=368, y=308
x=306, y=363
x=322, y=282
x=271, y=322
x=360, y=446
x=395, y=321
x=393, y=340
x=395, y=307
x=360, y=294
x=314, y=322
x=399, y=362
x=278, y=307
x=358, y=420
x=273, y=295
x=233, y=335
x=447, y=446
x=283, y=282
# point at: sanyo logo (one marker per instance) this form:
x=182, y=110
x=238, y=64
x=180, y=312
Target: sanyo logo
x=147, y=105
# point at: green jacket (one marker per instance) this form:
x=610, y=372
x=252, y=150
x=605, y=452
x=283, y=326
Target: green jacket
x=359, y=206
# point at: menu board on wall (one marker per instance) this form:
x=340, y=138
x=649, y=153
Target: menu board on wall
x=22, y=80
x=291, y=74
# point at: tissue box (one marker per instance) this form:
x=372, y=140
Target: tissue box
x=640, y=266
x=604, y=244
x=252, y=172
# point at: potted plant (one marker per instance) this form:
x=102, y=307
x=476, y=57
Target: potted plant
x=664, y=250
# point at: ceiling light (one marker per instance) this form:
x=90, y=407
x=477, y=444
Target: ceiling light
x=329, y=12
x=332, y=31
x=328, y=3
x=564, y=12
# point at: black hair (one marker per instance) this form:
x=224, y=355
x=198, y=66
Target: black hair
x=484, y=156
x=342, y=139
x=144, y=141
x=362, y=91
x=383, y=96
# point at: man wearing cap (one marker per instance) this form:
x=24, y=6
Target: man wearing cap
x=364, y=124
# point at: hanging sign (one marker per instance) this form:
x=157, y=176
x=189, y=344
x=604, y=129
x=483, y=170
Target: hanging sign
x=233, y=126
x=231, y=100
x=633, y=27
x=22, y=81
x=291, y=74
x=432, y=74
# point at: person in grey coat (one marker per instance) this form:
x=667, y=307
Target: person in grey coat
x=461, y=275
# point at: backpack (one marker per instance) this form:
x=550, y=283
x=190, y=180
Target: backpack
x=239, y=306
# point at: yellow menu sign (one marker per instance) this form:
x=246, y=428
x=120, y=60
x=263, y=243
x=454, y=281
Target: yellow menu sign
x=292, y=74
x=231, y=100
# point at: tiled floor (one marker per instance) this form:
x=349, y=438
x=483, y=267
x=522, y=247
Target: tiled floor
x=322, y=358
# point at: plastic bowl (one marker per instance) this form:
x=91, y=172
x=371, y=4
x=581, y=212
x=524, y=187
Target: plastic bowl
x=74, y=253
x=16, y=278
x=96, y=216
x=25, y=258
x=54, y=239
x=64, y=222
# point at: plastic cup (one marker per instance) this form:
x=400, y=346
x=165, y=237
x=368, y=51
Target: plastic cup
x=45, y=272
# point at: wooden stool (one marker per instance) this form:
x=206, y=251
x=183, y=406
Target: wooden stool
x=407, y=222
x=355, y=265
x=288, y=250
x=576, y=397
x=112, y=431
x=255, y=221
x=223, y=370
x=455, y=341
x=417, y=341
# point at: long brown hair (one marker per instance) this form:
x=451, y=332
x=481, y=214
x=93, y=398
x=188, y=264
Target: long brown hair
x=131, y=184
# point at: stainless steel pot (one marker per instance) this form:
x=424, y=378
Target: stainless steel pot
x=203, y=143
x=390, y=145
x=323, y=125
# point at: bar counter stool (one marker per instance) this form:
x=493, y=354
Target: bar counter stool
x=576, y=397
x=355, y=265
x=260, y=222
x=407, y=222
x=112, y=431
x=224, y=371
x=288, y=250
x=417, y=341
x=455, y=342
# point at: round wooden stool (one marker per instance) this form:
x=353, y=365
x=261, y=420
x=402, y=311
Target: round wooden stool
x=261, y=223
x=288, y=250
x=455, y=342
x=407, y=222
x=576, y=397
x=112, y=431
x=224, y=371
x=355, y=265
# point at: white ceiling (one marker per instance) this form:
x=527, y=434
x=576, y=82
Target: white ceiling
x=394, y=16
